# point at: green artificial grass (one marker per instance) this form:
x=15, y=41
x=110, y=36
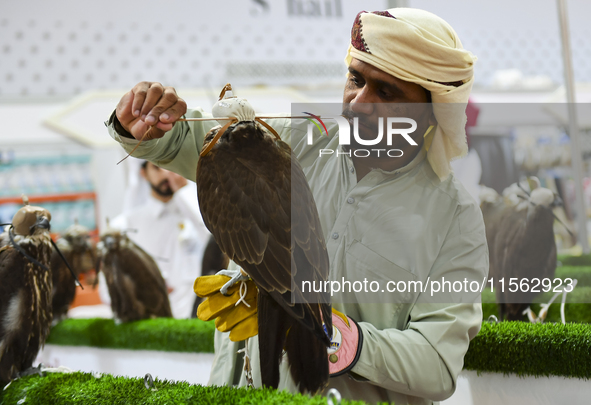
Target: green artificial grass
x=567, y=260
x=165, y=334
x=579, y=313
x=85, y=389
x=532, y=349
x=581, y=273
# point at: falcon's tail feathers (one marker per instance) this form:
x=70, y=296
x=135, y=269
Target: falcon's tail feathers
x=273, y=326
x=308, y=359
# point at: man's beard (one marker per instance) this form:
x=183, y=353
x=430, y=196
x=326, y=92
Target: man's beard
x=161, y=190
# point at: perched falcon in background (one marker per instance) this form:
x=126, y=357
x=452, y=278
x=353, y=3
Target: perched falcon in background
x=249, y=186
x=25, y=290
x=78, y=250
x=135, y=284
x=520, y=234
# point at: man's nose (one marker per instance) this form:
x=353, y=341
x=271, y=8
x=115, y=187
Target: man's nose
x=362, y=102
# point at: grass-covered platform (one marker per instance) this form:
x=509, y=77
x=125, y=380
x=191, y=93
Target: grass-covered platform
x=164, y=334
x=508, y=347
x=85, y=389
x=532, y=349
x=520, y=348
x=568, y=260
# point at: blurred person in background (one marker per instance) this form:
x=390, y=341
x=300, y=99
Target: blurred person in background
x=168, y=226
x=401, y=219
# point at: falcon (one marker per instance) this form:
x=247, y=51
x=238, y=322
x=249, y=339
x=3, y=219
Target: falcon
x=77, y=248
x=244, y=185
x=25, y=290
x=521, y=243
x=134, y=281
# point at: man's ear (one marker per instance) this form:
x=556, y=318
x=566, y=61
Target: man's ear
x=143, y=173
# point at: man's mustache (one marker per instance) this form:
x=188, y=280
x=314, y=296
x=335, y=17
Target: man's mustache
x=362, y=120
x=164, y=183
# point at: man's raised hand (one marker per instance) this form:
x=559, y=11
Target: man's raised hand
x=150, y=105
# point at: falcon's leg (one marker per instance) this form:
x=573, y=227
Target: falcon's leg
x=235, y=277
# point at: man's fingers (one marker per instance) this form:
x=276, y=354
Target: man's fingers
x=124, y=108
x=139, y=93
x=167, y=100
x=175, y=112
x=153, y=97
x=150, y=108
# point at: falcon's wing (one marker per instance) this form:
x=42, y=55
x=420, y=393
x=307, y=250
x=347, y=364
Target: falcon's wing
x=150, y=286
x=246, y=200
x=12, y=279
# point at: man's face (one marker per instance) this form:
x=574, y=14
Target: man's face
x=158, y=179
x=371, y=93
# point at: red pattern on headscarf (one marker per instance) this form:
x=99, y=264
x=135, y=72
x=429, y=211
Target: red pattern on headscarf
x=356, y=38
x=383, y=14
x=357, y=31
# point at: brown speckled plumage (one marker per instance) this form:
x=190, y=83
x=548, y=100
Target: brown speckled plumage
x=25, y=302
x=135, y=284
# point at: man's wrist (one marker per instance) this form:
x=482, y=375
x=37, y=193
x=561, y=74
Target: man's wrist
x=117, y=126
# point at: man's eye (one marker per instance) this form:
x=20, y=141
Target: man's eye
x=355, y=80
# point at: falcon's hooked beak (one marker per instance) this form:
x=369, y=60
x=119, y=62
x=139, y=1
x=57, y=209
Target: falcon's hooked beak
x=42, y=222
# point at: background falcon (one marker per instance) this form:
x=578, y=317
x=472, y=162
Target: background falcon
x=135, y=284
x=25, y=290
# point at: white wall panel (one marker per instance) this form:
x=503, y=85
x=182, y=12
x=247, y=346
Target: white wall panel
x=64, y=47
x=522, y=34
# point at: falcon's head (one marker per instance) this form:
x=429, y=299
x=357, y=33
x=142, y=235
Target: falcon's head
x=112, y=240
x=237, y=136
x=30, y=220
x=78, y=237
x=545, y=197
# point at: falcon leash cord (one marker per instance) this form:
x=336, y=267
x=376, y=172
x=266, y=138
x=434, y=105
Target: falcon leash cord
x=21, y=250
x=34, y=261
x=67, y=264
x=243, y=292
x=247, y=366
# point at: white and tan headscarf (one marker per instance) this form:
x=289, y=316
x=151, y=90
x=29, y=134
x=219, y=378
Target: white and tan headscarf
x=419, y=47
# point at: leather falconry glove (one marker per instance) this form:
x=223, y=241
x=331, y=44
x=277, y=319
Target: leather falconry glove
x=235, y=311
